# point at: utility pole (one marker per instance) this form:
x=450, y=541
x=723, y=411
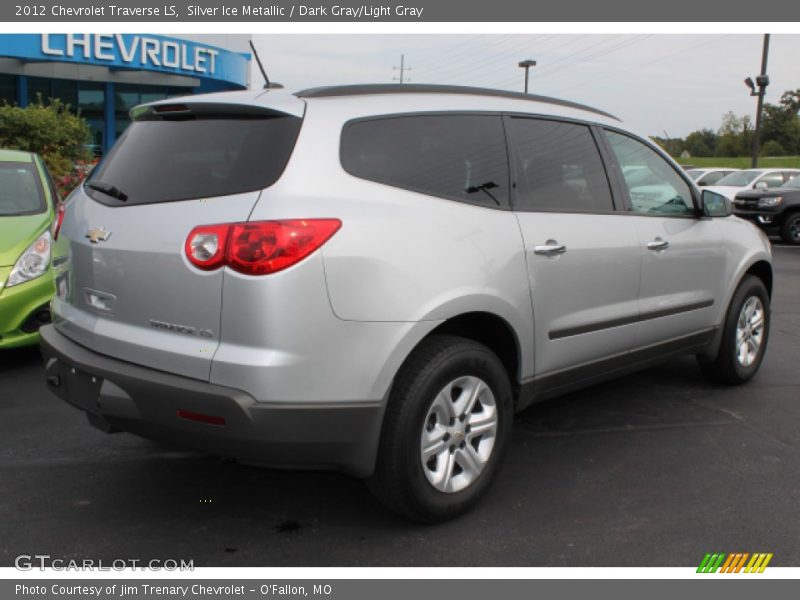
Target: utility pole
x=527, y=64
x=762, y=81
x=403, y=68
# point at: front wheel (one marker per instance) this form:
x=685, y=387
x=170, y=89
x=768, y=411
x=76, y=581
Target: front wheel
x=790, y=230
x=447, y=426
x=744, y=336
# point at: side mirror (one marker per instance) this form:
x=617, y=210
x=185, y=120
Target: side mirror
x=715, y=205
x=761, y=185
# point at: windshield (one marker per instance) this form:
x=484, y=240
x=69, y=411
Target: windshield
x=694, y=174
x=167, y=160
x=740, y=178
x=20, y=190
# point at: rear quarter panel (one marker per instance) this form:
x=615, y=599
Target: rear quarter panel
x=401, y=256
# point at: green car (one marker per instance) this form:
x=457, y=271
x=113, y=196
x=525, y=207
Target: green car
x=29, y=206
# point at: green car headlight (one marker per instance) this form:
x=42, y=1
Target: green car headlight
x=33, y=263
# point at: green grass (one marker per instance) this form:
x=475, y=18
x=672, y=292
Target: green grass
x=742, y=162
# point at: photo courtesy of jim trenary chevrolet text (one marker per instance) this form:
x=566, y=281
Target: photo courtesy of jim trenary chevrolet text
x=443, y=298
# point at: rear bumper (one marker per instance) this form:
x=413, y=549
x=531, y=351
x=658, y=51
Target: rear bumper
x=117, y=395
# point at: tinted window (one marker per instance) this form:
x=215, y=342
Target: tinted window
x=558, y=167
x=462, y=157
x=653, y=185
x=20, y=190
x=165, y=160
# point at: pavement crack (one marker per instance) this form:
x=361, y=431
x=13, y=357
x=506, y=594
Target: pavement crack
x=622, y=429
x=747, y=425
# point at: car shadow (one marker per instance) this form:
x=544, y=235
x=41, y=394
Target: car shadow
x=602, y=457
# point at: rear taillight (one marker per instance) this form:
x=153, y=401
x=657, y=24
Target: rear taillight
x=59, y=220
x=260, y=247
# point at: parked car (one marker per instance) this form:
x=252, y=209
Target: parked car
x=752, y=179
x=774, y=210
x=28, y=210
x=704, y=177
x=375, y=279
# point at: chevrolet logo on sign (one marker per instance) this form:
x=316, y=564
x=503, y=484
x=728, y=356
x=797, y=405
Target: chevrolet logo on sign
x=97, y=234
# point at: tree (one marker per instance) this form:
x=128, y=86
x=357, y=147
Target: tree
x=772, y=148
x=50, y=130
x=702, y=142
x=672, y=146
x=735, y=135
x=781, y=122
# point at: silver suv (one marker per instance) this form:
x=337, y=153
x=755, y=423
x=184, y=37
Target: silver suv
x=374, y=279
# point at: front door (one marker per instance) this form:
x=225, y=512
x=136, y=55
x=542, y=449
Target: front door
x=683, y=258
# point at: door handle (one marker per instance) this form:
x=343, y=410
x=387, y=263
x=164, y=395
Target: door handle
x=550, y=248
x=658, y=244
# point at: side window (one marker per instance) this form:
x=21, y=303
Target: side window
x=712, y=178
x=558, y=167
x=789, y=175
x=770, y=180
x=460, y=157
x=652, y=183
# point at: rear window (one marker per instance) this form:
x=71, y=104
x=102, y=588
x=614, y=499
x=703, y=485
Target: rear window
x=459, y=157
x=20, y=190
x=164, y=160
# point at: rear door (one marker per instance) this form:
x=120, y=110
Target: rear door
x=130, y=291
x=583, y=257
x=683, y=257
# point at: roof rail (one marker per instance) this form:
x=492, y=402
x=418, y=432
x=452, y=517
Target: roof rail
x=423, y=88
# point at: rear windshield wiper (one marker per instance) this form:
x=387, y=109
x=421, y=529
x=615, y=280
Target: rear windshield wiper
x=484, y=187
x=107, y=189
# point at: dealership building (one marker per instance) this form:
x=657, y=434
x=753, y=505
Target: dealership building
x=105, y=75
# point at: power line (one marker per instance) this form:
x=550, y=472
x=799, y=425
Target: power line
x=543, y=60
x=644, y=64
x=469, y=41
x=549, y=68
x=472, y=72
x=458, y=65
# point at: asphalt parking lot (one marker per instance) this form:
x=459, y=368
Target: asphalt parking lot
x=655, y=469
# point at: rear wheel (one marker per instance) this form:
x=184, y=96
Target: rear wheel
x=447, y=426
x=790, y=230
x=744, y=335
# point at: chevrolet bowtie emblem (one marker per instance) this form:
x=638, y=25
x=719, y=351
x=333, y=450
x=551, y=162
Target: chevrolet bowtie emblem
x=98, y=234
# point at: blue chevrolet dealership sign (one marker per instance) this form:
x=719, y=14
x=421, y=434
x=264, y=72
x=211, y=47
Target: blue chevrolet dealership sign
x=131, y=51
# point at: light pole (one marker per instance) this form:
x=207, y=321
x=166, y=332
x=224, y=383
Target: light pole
x=762, y=81
x=527, y=64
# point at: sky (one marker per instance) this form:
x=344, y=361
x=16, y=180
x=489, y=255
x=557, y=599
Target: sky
x=657, y=84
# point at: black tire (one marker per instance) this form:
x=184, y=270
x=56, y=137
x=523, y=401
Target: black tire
x=726, y=368
x=399, y=480
x=790, y=230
